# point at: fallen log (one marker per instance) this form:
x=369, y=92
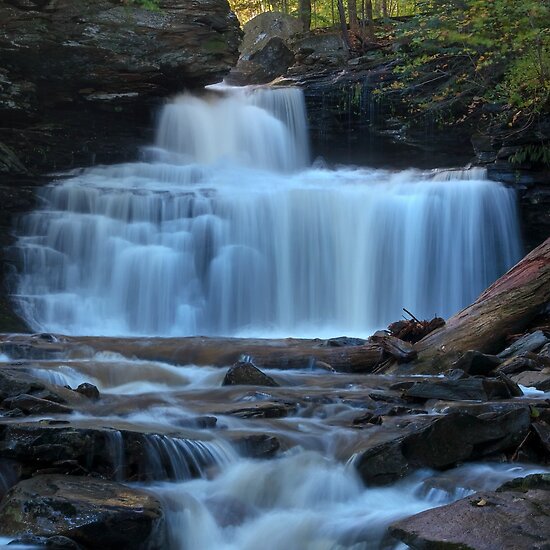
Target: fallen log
x=505, y=308
x=288, y=353
x=400, y=350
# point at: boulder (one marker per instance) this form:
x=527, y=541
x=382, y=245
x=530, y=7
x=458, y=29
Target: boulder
x=520, y=363
x=257, y=445
x=322, y=48
x=266, y=48
x=516, y=516
x=20, y=389
x=529, y=342
x=544, y=353
x=262, y=28
x=476, y=363
x=438, y=442
x=92, y=512
x=247, y=374
x=88, y=390
x=538, y=380
x=29, y=404
x=478, y=389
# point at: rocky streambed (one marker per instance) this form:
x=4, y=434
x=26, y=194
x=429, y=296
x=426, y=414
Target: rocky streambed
x=162, y=443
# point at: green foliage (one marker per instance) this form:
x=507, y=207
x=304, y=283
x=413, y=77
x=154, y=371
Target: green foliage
x=323, y=12
x=458, y=60
x=538, y=154
x=151, y=5
x=478, y=52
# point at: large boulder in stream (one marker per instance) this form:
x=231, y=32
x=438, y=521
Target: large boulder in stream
x=94, y=513
x=515, y=516
x=438, y=442
x=246, y=373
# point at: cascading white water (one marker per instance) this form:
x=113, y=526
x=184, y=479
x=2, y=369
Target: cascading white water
x=308, y=497
x=222, y=231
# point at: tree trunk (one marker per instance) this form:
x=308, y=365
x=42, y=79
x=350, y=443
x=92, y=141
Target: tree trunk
x=289, y=353
x=370, y=20
x=505, y=308
x=343, y=24
x=353, y=20
x=304, y=9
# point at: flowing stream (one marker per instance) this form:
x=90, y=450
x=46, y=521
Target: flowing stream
x=224, y=227
x=308, y=497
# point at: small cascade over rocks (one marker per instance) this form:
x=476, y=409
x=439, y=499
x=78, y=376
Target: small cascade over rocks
x=223, y=230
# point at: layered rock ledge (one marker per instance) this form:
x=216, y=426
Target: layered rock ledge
x=75, y=75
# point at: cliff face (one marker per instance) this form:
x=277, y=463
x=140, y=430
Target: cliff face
x=75, y=69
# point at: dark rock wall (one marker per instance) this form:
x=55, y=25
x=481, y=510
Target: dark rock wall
x=79, y=78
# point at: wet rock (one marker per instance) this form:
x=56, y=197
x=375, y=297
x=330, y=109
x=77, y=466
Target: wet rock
x=517, y=516
x=544, y=353
x=529, y=342
x=33, y=349
x=92, y=512
x=513, y=388
x=456, y=374
x=264, y=409
x=229, y=511
x=16, y=383
x=40, y=445
x=57, y=542
x=541, y=430
x=479, y=408
x=477, y=389
x=88, y=390
x=321, y=365
x=438, y=442
x=519, y=363
x=399, y=411
x=187, y=44
x=533, y=481
x=200, y=422
x=29, y=404
x=9, y=162
x=367, y=418
x=245, y=373
x=114, y=454
x=257, y=445
x=539, y=380
x=344, y=341
x=476, y=363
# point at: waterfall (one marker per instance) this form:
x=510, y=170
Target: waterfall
x=222, y=229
